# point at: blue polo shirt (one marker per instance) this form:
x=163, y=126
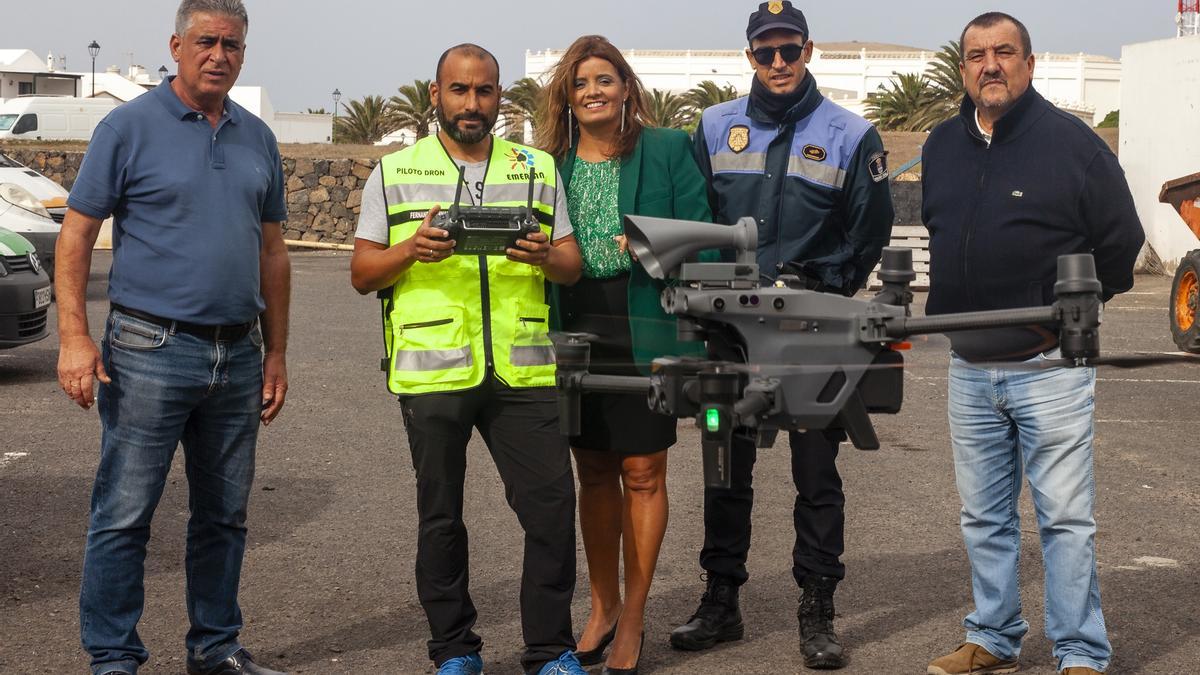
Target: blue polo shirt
x=188, y=202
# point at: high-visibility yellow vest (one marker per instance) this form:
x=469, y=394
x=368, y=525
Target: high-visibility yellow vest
x=445, y=324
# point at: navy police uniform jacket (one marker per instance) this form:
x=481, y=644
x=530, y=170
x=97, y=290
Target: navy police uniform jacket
x=816, y=184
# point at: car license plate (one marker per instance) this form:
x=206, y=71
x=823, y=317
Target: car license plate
x=41, y=297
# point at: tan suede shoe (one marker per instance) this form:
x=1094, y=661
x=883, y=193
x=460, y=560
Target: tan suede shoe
x=971, y=659
x=1080, y=670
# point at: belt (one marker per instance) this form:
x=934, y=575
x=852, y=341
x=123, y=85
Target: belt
x=227, y=333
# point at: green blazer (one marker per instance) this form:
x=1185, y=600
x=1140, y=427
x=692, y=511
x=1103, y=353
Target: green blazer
x=660, y=178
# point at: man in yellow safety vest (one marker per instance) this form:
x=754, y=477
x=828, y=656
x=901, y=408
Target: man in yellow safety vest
x=467, y=347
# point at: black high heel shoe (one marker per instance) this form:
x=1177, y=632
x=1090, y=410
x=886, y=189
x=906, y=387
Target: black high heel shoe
x=627, y=671
x=593, y=656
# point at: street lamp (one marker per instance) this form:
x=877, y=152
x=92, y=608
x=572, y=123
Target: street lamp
x=162, y=73
x=337, y=95
x=94, y=49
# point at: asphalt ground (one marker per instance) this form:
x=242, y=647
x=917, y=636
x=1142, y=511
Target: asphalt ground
x=328, y=582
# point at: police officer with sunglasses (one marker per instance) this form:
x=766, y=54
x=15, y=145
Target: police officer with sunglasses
x=814, y=176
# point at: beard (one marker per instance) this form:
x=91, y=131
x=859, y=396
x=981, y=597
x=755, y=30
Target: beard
x=466, y=137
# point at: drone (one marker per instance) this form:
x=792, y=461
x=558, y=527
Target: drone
x=782, y=358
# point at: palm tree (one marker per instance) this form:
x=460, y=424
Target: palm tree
x=365, y=121
x=702, y=96
x=908, y=103
x=665, y=109
x=413, y=108
x=707, y=94
x=944, y=75
x=521, y=100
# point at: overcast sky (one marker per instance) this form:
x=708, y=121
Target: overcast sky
x=300, y=50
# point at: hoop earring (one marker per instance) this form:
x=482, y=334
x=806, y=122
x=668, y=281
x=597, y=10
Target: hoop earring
x=570, y=127
x=622, y=116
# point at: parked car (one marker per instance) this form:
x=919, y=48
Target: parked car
x=52, y=195
x=52, y=117
x=24, y=291
x=22, y=213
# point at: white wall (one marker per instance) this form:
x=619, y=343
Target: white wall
x=302, y=128
x=1160, y=134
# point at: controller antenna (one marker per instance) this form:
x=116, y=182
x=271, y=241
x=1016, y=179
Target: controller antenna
x=458, y=193
x=529, y=202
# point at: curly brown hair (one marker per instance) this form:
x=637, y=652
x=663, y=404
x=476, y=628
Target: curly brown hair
x=553, y=133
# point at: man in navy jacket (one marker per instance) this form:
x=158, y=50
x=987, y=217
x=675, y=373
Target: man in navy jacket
x=814, y=178
x=1009, y=185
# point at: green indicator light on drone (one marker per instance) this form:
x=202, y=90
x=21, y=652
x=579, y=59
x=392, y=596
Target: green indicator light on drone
x=712, y=419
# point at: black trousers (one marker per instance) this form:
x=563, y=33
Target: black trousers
x=819, y=513
x=520, y=428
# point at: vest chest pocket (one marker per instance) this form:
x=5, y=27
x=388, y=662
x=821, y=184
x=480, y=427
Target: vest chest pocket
x=432, y=347
x=531, y=344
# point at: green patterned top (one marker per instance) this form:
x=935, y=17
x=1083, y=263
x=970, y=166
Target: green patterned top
x=592, y=206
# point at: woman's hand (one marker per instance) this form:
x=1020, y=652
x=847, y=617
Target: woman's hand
x=623, y=245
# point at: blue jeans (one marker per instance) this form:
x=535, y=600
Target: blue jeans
x=1003, y=422
x=170, y=388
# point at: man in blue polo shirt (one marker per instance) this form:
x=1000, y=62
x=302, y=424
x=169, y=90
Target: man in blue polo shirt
x=199, y=286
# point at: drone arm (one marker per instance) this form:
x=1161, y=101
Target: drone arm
x=614, y=384
x=573, y=382
x=902, y=327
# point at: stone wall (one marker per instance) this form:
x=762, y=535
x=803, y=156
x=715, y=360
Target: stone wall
x=324, y=196
x=906, y=199
x=60, y=167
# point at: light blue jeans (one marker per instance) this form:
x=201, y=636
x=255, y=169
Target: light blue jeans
x=1005, y=422
x=169, y=389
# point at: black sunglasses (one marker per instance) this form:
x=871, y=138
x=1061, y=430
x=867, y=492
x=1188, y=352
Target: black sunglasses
x=790, y=53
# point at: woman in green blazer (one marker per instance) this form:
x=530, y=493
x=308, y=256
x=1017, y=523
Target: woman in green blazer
x=612, y=165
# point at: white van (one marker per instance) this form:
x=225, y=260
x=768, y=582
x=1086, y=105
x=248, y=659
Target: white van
x=52, y=117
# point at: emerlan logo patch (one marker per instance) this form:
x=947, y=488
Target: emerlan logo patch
x=814, y=152
x=877, y=165
x=739, y=138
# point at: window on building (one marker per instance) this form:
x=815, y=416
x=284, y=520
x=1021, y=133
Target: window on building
x=24, y=88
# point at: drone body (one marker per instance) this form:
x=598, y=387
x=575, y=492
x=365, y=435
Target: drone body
x=785, y=358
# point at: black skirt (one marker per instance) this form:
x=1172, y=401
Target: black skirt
x=620, y=423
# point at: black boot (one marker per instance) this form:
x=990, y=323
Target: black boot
x=716, y=620
x=818, y=641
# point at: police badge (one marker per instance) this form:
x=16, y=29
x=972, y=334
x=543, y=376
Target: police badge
x=775, y=7
x=739, y=137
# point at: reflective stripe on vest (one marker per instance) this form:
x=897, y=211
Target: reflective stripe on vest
x=434, y=321
x=512, y=192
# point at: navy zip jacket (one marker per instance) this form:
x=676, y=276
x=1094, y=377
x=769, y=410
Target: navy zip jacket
x=815, y=182
x=1000, y=216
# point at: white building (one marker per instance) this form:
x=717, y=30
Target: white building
x=113, y=84
x=22, y=73
x=848, y=72
x=289, y=127
x=1160, y=134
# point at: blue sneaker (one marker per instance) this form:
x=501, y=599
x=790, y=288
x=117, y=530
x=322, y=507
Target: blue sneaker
x=471, y=664
x=565, y=664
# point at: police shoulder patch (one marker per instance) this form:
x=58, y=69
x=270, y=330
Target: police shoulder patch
x=739, y=137
x=877, y=165
x=814, y=152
